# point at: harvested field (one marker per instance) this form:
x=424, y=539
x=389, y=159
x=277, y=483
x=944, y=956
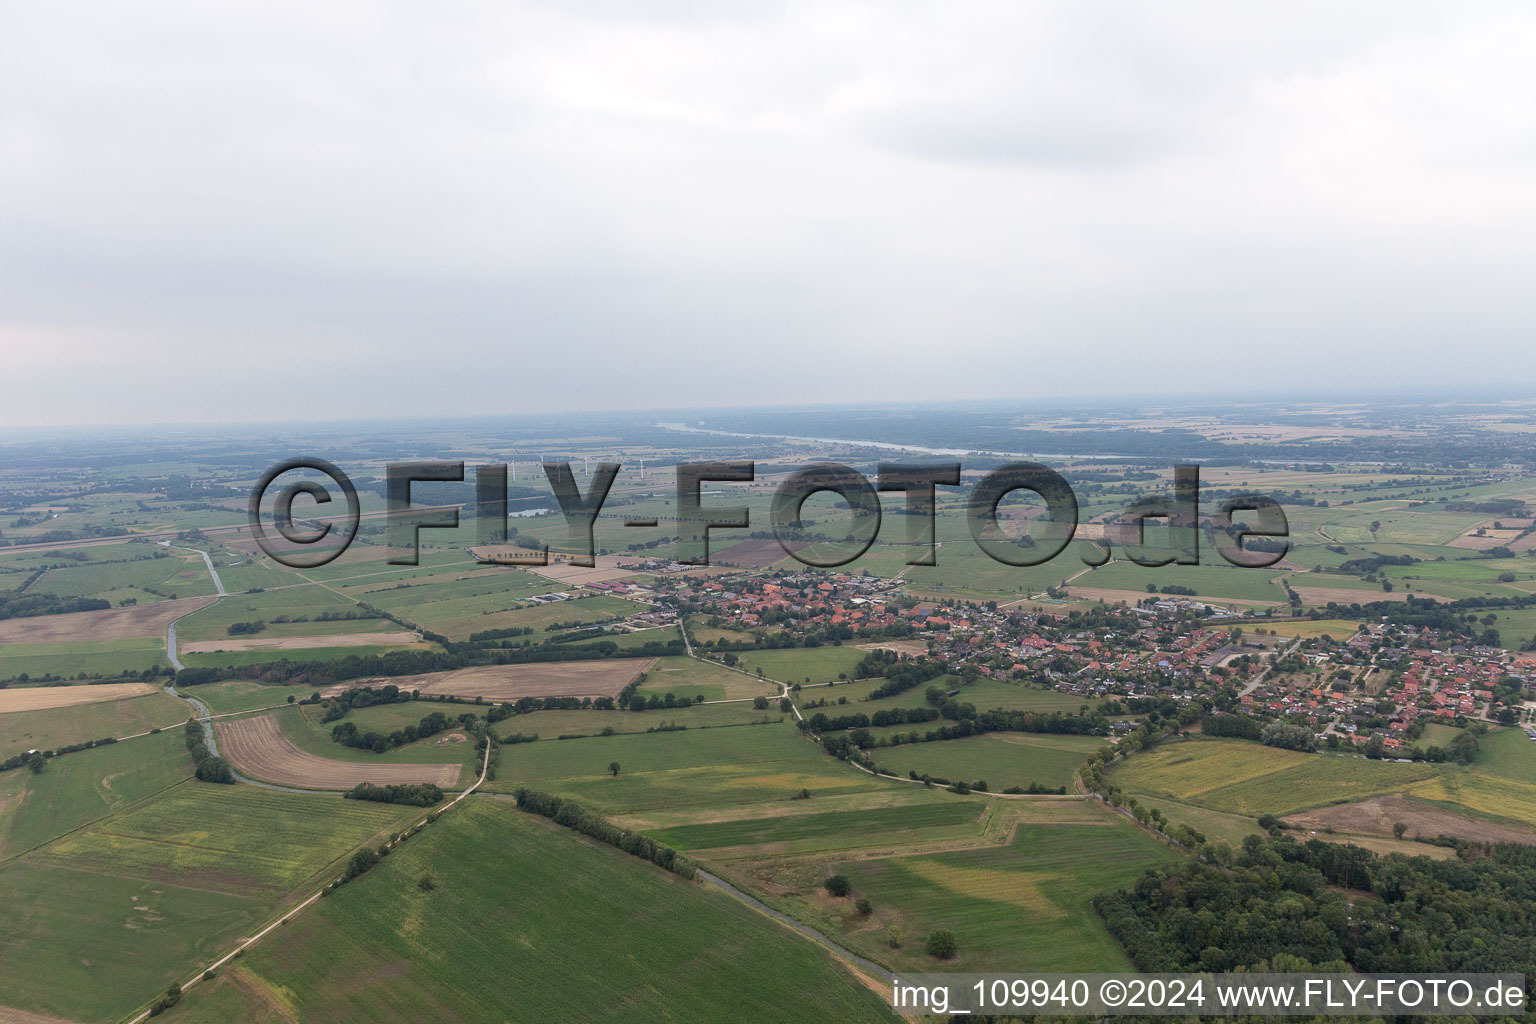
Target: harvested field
x=107, y=624
x=607, y=567
x=1509, y=532
x=1375, y=817
x=258, y=748
x=301, y=643
x=754, y=554
x=602, y=678
x=37, y=698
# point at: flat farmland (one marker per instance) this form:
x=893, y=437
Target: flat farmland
x=76, y=789
x=377, y=638
x=1337, y=629
x=109, y=624
x=708, y=770
x=305, y=727
x=238, y=840
x=687, y=678
x=1251, y=779
x=95, y=657
x=1378, y=815
x=37, y=698
x=238, y=660
x=1000, y=759
x=243, y=695
x=599, y=678
x=648, y=947
x=306, y=602
x=146, y=580
x=1018, y=903
x=461, y=608
x=879, y=825
x=61, y=727
x=805, y=664
x=257, y=747
x=97, y=946
x=997, y=695
x=550, y=724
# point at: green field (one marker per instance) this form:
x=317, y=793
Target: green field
x=76, y=789
x=996, y=695
x=1001, y=759
x=804, y=664
x=552, y=724
x=687, y=678
x=241, y=695
x=1013, y=905
x=493, y=600
x=62, y=727
x=213, y=622
x=504, y=934
x=96, y=946
x=884, y=824
x=696, y=768
x=93, y=657
x=1251, y=779
x=239, y=840
x=302, y=725
x=247, y=659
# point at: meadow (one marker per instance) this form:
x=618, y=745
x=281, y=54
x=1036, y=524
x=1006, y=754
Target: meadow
x=715, y=769
x=1251, y=779
x=97, y=946
x=93, y=657
x=62, y=727
x=77, y=789
x=239, y=840
x=1019, y=901
x=644, y=944
x=689, y=678
x=1000, y=759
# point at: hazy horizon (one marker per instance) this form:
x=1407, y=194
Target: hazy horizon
x=208, y=216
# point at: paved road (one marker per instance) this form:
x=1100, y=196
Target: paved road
x=1258, y=680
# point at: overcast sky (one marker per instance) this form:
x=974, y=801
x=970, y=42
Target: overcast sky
x=296, y=210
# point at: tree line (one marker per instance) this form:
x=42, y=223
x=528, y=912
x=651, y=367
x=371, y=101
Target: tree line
x=574, y=816
x=210, y=767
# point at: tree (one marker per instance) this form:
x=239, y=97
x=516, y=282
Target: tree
x=838, y=885
x=36, y=763
x=941, y=944
x=1399, y=829
x=863, y=906
x=760, y=703
x=613, y=768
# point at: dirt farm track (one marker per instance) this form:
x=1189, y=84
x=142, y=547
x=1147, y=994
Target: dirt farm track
x=258, y=748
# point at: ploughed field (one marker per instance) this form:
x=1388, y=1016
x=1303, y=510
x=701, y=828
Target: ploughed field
x=257, y=747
